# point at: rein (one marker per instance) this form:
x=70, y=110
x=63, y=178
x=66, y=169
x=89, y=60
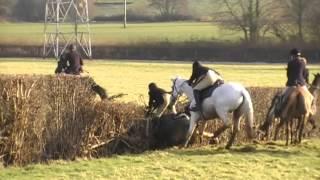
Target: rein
x=176, y=88
x=315, y=87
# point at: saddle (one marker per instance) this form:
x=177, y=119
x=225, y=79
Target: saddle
x=205, y=93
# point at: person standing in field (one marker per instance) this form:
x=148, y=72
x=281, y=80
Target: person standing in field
x=70, y=62
x=201, y=78
x=159, y=100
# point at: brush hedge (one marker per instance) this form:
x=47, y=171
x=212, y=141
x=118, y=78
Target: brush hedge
x=58, y=117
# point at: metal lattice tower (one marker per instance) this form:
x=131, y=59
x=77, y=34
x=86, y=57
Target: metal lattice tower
x=66, y=22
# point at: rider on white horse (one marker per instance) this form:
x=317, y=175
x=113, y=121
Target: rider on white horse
x=201, y=78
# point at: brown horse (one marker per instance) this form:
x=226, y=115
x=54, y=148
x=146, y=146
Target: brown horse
x=298, y=106
x=293, y=110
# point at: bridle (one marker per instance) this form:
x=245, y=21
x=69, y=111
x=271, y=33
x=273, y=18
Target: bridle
x=175, y=88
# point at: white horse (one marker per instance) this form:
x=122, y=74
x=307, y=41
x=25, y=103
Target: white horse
x=227, y=98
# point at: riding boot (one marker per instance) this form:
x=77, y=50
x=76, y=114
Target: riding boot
x=196, y=94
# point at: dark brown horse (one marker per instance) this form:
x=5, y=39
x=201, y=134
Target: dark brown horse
x=298, y=106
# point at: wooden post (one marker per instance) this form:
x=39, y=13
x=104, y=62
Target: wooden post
x=125, y=14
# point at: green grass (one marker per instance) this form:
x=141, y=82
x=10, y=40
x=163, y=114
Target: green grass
x=243, y=162
x=114, y=34
x=132, y=77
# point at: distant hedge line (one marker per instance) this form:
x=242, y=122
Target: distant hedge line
x=208, y=51
x=58, y=117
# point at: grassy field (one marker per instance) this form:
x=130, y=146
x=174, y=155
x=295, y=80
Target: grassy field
x=114, y=34
x=132, y=77
x=243, y=162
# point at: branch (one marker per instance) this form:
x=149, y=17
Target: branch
x=231, y=12
x=117, y=96
x=101, y=144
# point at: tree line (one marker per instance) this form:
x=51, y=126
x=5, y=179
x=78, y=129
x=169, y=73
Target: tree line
x=22, y=10
x=287, y=20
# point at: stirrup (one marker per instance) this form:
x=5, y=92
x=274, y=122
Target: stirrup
x=197, y=109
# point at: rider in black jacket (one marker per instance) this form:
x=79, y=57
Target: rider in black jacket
x=159, y=100
x=297, y=75
x=201, y=78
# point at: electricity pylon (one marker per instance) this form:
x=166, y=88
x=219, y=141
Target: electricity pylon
x=66, y=22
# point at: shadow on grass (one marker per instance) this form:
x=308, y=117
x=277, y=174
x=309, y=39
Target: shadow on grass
x=274, y=150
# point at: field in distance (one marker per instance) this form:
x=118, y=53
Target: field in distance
x=133, y=77
x=115, y=34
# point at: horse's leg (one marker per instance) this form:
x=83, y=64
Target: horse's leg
x=297, y=132
x=312, y=121
x=236, y=128
x=278, y=128
x=268, y=122
x=304, y=119
x=291, y=131
x=287, y=133
x=193, y=122
x=226, y=124
x=201, y=126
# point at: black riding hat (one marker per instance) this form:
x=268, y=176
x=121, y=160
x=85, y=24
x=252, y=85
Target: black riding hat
x=72, y=47
x=152, y=85
x=295, y=52
x=196, y=64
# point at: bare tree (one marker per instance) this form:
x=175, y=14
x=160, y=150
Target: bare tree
x=169, y=8
x=313, y=22
x=297, y=11
x=5, y=8
x=30, y=10
x=294, y=20
x=252, y=17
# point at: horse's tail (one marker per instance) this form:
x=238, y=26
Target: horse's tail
x=246, y=109
x=271, y=113
x=301, y=104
